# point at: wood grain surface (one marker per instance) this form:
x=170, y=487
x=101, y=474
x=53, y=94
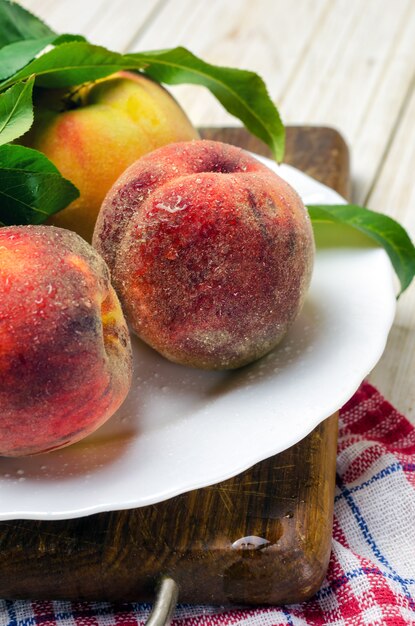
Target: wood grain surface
x=262, y=537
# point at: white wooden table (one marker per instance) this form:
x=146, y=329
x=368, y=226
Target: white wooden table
x=343, y=63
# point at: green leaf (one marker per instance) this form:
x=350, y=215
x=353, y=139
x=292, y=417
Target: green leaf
x=382, y=229
x=72, y=64
x=17, y=24
x=16, y=111
x=68, y=38
x=31, y=188
x=242, y=93
x=16, y=55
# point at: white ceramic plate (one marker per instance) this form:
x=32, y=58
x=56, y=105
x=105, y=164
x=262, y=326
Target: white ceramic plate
x=181, y=429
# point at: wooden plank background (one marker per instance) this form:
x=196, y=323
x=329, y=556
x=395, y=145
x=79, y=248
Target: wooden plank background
x=345, y=63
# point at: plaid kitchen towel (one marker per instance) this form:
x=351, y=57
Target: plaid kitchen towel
x=371, y=576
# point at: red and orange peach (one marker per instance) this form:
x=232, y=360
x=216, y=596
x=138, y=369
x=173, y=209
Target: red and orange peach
x=65, y=354
x=94, y=132
x=211, y=253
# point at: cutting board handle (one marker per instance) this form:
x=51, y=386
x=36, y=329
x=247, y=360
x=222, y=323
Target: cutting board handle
x=164, y=604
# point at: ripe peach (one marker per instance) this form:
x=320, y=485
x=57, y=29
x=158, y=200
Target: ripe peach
x=211, y=253
x=93, y=135
x=65, y=353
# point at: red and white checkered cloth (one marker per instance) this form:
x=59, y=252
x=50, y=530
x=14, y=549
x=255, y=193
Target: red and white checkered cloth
x=371, y=576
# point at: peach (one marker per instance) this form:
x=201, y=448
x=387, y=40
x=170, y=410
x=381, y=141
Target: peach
x=211, y=253
x=93, y=133
x=65, y=353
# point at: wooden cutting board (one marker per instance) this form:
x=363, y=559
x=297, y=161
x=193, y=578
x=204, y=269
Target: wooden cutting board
x=262, y=537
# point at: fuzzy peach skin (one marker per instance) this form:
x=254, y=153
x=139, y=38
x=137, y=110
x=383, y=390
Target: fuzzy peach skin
x=65, y=353
x=93, y=133
x=211, y=253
